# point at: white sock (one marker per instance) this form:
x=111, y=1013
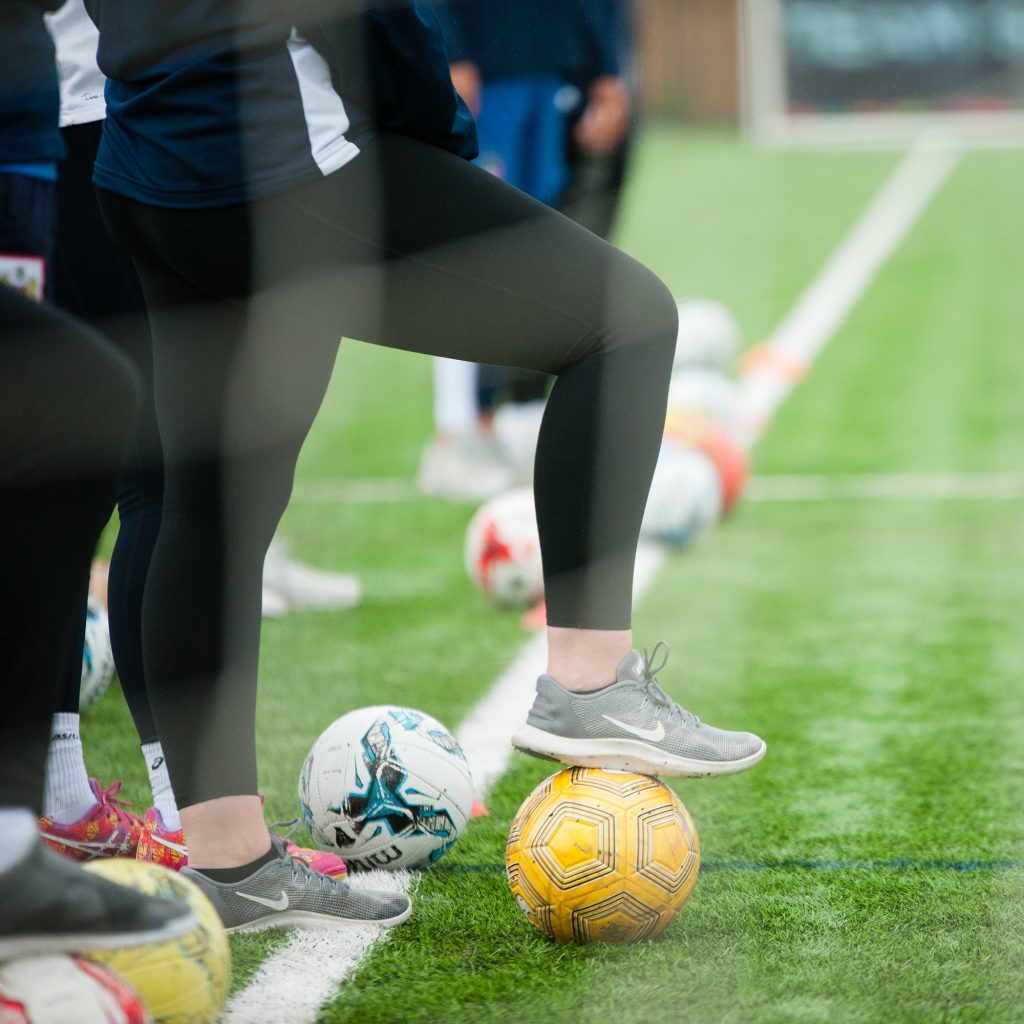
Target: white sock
x=160, y=781
x=68, y=796
x=18, y=835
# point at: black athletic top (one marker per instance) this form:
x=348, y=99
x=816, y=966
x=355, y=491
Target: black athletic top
x=212, y=102
x=29, y=97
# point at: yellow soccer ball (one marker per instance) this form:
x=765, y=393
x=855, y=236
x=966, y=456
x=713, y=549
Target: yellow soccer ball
x=602, y=856
x=182, y=980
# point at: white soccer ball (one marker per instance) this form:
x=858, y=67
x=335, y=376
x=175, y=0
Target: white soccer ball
x=707, y=392
x=708, y=334
x=502, y=549
x=97, y=657
x=66, y=990
x=386, y=788
x=685, y=498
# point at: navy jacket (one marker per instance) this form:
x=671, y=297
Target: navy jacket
x=575, y=40
x=29, y=95
x=211, y=102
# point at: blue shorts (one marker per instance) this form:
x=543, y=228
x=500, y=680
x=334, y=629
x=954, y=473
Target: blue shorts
x=523, y=128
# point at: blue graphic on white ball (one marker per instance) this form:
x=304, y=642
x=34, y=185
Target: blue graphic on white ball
x=386, y=787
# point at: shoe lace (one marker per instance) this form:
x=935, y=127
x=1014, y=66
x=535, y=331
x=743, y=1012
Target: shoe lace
x=108, y=798
x=654, y=694
x=302, y=873
x=291, y=824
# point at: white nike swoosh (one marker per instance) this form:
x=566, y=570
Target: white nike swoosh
x=281, y=904
x=170, y=844
x=95, y=848
x=656, y=735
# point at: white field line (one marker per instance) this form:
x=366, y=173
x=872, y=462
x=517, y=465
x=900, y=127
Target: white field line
x=293, y=983
x=824, y=306
x=368, y=491
x=916, y=486
x=898, y=486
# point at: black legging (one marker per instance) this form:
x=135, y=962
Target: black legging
x=67, y=404
x=94, y=280
x=410, y=247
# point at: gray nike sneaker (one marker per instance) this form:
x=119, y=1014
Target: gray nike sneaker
x=632, y=725
x=286, y=892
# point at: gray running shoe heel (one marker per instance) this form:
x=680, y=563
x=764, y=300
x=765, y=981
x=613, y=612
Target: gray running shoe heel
x=632, y=725
x=286, y=892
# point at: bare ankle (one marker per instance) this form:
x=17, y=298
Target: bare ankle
x=225, y=833
x=586, y=659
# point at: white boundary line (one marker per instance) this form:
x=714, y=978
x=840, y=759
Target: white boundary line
x=823, y=307
x=898, y=486
x=293, y=983
x=918, y=486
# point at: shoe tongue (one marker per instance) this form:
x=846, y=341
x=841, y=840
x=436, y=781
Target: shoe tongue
x=631, y=668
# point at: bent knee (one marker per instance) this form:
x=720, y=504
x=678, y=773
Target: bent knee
x=641, y=314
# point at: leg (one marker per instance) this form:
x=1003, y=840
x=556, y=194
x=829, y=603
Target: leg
x=408, y=247
x=57, y=461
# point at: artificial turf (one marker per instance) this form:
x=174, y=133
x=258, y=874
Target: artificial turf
x=872, y=867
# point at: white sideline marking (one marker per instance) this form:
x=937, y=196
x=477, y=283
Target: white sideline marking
x=902, y=486
x=824, y=306
x=307, y=981
x=354, y=491
x=293, y=983
x=920, y=486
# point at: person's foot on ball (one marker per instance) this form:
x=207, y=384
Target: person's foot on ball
x=631, y=725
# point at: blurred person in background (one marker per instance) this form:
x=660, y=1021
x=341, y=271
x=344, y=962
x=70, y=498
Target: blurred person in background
x=549, y=86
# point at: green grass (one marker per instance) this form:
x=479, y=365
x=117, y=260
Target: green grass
x=877, y=645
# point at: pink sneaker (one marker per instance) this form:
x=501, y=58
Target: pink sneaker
x=162, y=845
x=108, y=830
x=325, y=863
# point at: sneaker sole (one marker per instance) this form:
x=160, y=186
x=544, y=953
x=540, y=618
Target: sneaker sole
x=625, y=755
x=308, y=919
x=92, y=942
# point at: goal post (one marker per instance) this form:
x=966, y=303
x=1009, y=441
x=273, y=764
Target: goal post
x=875, y=70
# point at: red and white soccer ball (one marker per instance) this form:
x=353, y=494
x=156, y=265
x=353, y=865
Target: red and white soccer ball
x=502, y=549
x=66, y=990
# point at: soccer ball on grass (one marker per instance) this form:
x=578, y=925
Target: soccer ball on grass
x=386, y=787
x=602, y=856
x=502, y=550
x=97, y=657
x=66, y=990
x=182, y=980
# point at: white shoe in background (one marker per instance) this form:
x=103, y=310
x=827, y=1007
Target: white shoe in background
x=289, y=585
x=469, y=467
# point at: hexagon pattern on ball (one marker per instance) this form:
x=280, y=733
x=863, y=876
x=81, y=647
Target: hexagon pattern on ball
x=602, y=856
